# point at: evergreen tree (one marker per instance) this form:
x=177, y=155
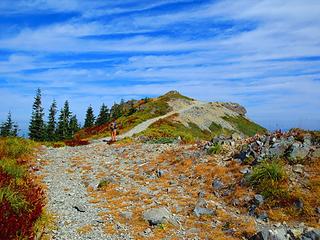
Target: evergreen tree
x=132, y=109
x=74, y=125
x=37, y=126
x=52, y=123
x=89, y=121
x=104, y=115
x=63, y=131
x=116, y=111
x=8, y=128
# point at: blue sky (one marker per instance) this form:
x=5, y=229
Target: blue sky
x=263, y=54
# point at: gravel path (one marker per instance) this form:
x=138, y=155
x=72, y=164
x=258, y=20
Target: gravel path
x=72, y=175
x=143, y=126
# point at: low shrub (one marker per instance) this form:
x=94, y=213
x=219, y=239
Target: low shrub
x=76, y=142
x=215, y=149
x=268, y=178
x=15, y=147
x=163, y=140
x=12, y=168
x=21, y=197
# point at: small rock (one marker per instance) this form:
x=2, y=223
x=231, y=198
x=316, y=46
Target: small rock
x=258, y=199
x=235, y=202
x=245, y=171
x=252, y=210
x=201, y=208
x=298, y=152
x=217, y=184
x=298, y=204
x=318, y=210
x=313, y=234
x=127, y=215
x=316, y=153
x=263, y=217
x=157, y=216
x=79, y=208
x=298, y=168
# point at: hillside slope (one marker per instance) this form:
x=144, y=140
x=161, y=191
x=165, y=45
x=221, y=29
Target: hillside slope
x=174, y=115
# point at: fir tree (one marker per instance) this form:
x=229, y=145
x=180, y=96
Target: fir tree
x=63, y=131
x=116, y=111
x=8, y=128
x=37, y=126
x=52, y=123
x=132, y=109
x=89, y=121
x=73, y=126
x=104, y=115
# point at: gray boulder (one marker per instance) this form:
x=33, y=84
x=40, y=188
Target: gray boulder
x=258, y=199
x=201, y=208
x=217, y=184
x=316, y=153
x=269, y=234
x=279, y=149
x=298, y=152
x=160, y=215
x=311, y=235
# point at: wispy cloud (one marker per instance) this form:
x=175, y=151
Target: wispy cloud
x=263, y=54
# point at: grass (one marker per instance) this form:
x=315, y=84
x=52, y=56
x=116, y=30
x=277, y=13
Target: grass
x=16, y=201
x=244, y=125
x=21, y=195
x=44, y=224
x=163, y=140
x=217, y=130
x=215, y=149
x=268, y=179
x=169, y=128
x=15, y=147
x=174, y=95
x=12, y=168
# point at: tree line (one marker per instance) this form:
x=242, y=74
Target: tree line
x=65, y=125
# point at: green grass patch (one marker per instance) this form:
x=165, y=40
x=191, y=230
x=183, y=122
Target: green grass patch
x=215, y=149
x=16, y=201
x=217, y=130
x=163, y=140
x=174, y=95
x=244, y=125
x=12, y=168
x=166, y=128
x=15, y=147
x=149, y=110
x=268, y=178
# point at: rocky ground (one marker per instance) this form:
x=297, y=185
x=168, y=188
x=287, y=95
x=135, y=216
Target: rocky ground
x=165, y=191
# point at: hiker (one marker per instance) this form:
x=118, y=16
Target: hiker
x=113, y=128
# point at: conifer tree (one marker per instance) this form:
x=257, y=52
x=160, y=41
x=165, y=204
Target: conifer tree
x=73, y=126
x=8, y=128
x=37, y=126
x=104, y=115
x=52, y=123
x=63, y=131
x=116, y=111
x=89, y=121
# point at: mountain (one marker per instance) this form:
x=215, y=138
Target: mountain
x=173, y=115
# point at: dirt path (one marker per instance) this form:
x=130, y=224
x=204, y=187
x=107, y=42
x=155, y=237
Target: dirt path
x=72, y=175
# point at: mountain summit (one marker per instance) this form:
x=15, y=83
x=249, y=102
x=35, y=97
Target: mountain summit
x=174, y=115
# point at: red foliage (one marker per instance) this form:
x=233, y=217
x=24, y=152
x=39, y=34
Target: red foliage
x=76, y=142
x=20, y=223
